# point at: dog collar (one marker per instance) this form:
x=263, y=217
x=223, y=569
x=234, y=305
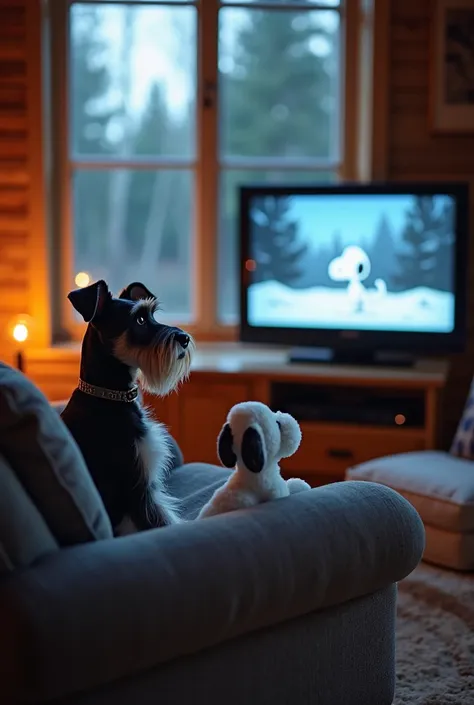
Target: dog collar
x=110, y=394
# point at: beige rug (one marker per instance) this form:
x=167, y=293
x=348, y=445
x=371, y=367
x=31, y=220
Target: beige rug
x=435, y=638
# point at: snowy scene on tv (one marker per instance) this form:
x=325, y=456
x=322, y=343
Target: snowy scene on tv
x=368, y=262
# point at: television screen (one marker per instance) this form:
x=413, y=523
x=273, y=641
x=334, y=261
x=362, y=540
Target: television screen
x=373, y=262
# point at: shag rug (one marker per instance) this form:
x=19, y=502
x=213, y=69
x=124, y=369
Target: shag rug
x=435, y=638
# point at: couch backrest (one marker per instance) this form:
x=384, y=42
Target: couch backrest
x=48, y=497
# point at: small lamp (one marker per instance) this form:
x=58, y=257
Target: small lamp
x=20, y=328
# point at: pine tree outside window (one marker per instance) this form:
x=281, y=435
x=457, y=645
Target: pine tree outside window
x=161, y=110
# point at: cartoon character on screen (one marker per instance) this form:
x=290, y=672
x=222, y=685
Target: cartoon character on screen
x=353, y=266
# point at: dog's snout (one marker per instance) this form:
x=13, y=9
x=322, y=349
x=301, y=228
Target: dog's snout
x=182, y=339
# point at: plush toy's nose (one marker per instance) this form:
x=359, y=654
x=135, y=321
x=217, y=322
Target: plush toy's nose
x=182, y=339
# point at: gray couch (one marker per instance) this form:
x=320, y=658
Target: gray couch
x=292, y=602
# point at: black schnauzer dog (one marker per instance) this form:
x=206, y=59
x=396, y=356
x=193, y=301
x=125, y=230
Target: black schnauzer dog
x=128, y=454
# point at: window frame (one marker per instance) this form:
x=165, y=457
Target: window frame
x=205, y=325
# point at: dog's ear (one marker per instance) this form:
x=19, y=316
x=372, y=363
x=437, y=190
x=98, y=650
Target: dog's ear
x=89, y=301
x=253, y=450
x=224, y=447
x=136, y=291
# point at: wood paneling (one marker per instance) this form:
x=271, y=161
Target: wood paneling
x=413, y=147
x=415, y=152
x=23, y=252
x=14, y=178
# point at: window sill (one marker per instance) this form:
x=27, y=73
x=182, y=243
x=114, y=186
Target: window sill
x=215, y=334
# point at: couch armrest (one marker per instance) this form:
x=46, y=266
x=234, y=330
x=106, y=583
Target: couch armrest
x=93, y=613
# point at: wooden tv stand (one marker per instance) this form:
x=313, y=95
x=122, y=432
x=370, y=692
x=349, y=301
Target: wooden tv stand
x=225, y=374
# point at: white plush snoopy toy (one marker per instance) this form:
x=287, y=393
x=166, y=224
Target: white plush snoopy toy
x=253, y=441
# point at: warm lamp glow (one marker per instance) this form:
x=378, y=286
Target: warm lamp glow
x=20, y=332
x=82, y=279
x=20, y=328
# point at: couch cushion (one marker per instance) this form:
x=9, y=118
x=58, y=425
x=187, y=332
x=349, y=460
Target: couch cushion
x=194, y=484
x=463, y=441
x=47, y=462
x=24, y=535
x=440, y=486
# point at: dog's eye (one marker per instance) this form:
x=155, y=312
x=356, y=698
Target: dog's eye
x=141, y=320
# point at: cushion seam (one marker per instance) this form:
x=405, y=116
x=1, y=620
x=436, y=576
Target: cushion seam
x=6, y=557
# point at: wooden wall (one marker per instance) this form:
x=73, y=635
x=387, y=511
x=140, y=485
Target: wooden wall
x=411, y=152
x=414, y=152
x=23, y=255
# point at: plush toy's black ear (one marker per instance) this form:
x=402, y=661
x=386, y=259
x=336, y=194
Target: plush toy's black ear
x=89, y=301
x=224, y=447
x=253, y=452
x=136, y=291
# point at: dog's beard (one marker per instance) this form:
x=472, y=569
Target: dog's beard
x=160, y=367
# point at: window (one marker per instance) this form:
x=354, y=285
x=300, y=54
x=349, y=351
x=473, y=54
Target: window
x=162, y=109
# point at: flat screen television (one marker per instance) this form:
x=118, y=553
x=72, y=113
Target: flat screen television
x=355, y=273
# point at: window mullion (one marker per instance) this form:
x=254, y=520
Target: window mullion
x=282, y=164
x=275, y=5
x=99, y=164
x=349, y=88
x=207, y=182
x=61, y=172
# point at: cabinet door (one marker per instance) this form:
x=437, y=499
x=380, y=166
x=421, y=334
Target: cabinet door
x=203, y=408
x=164, y=409
x=331, y=450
